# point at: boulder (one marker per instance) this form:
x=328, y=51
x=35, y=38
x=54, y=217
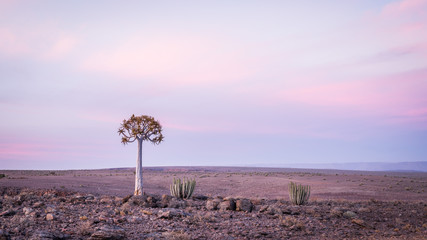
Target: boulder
x=45, y=235
x=110, y=232
x=169, y=213
x=227, y=205
x=177, y=203
x=212, y=204
x=244, y=205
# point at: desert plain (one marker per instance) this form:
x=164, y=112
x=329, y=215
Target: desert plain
x=228, y=203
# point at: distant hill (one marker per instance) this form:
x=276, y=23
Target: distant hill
x=360, y=166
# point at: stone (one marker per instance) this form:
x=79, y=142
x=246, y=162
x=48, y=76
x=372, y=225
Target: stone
x=274, y=210
x=45, y=235
x=177, y=203
x=50, y=209
x=364, y=210
x=212, y=204
x=38, y=204
x=200, y=197
x=138, y=200
x=135, y=219
x=4, y=235
x=359, y=222
x=108, y=232
x=7, y=213
x=50, y=217
x=42, y=235
x=227, y=205
x=291, y=210
x=244, y=205
x=106, y=200
x=168, y=213
x=164, y=202
x=27, y=210
x=337, y=212
x=126, y=199
x=349, y=214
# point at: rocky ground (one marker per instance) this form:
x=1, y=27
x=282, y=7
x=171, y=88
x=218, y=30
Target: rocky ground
x=62, y=214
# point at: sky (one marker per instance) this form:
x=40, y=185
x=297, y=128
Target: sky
x=233, y=83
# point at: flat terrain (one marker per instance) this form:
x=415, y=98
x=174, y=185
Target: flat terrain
x=228, y=203
x=269, y=183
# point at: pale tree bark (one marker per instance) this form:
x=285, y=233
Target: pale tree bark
x=138, y=172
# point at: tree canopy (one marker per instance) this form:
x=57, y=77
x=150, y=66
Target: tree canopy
x=142, y=128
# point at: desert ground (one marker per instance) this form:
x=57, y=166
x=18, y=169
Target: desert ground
x=96, y=204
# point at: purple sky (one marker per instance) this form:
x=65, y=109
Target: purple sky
x=232, y=82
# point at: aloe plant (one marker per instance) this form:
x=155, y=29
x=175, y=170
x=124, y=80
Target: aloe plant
x=299, y=194
x=182, y=188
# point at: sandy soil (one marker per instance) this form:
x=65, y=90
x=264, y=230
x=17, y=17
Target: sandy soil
x=268, y=183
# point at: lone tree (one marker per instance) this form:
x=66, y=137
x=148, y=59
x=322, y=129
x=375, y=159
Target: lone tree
x=142, y=128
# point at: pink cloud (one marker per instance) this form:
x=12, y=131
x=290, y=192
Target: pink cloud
x=419, y=112
x=11, y=44
x=397, y=95
x=21, y=150
x=405, y=7
x=174, y=60
x=40, y=43
x=60, y=47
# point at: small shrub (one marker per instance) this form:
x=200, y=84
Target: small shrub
x=299, y=194
x=182, y=188
x=2, y=175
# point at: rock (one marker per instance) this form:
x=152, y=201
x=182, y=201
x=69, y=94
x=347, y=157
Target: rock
x=175, y=235
x=359, y=222
x=146, y=212
x=126, y=199
x=45, y=235
x=169, y=213
x=151, y=201
x=273, y=210
x=164, y=202
x=50, y=209
x=135, y=219
x=263, y=208
x=50, y=217
x=106, y=200
x=42, y=235
x=212, y=204
x=364, y=210
x=337, y=212
x=349, y=214
x=38, y=204
x=291, y=210
x=108, y=232
x=27, y=210
x=227, y=205
x=244, y=205
x=137, y=200
x=177, y=203
x=7, y=213
x=200, y=197
x=4, y=235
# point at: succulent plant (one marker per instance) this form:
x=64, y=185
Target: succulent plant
x=182, y=188
x=299, y=194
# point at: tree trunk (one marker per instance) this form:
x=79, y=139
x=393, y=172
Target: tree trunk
x=138, y=172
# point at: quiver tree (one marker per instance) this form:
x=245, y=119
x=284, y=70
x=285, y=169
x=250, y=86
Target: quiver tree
x=142, y=128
